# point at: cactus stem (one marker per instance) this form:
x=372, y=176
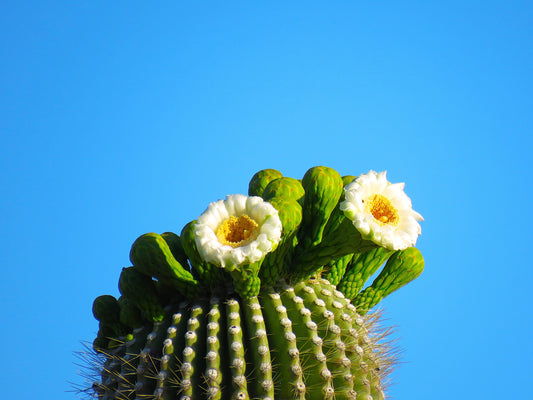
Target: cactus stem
x=259, y=298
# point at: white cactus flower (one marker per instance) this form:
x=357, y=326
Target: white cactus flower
x=381, y=211
x=238, y=230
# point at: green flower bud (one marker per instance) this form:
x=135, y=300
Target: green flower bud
x=260, y=180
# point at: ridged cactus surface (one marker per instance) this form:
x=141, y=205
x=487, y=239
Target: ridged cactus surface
x=263, y=296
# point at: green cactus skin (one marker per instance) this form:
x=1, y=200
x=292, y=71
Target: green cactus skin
x=296, y=325
x=315, y=347
x=360, y=268
x=285, y=188
x=141, y=290
x=401, y=268
x=152, y=256
x=346, y=179
x=323, y=189
x=260, y=181
x=130, y=315
x=106, y=309
x=334, y=271
x=274, y=265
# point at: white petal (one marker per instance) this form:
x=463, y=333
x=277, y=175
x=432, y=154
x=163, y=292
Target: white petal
x=239, y=203
x=417, y=216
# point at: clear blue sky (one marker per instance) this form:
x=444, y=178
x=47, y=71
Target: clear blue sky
x=119, y=118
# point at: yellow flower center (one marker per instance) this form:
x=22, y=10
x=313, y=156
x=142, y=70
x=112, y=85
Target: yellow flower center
x=237, y=231
x=383, y=210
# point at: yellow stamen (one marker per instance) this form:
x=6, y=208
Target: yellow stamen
x=237, y=231
x=383, y=210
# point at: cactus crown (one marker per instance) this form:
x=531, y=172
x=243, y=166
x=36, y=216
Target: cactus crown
x=263, y=296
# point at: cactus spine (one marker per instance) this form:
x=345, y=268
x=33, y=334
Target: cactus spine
x=291, y=320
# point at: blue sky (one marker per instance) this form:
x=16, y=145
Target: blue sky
x=120, y=118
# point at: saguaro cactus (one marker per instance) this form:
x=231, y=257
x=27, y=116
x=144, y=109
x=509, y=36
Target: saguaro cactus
x=263, y=296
